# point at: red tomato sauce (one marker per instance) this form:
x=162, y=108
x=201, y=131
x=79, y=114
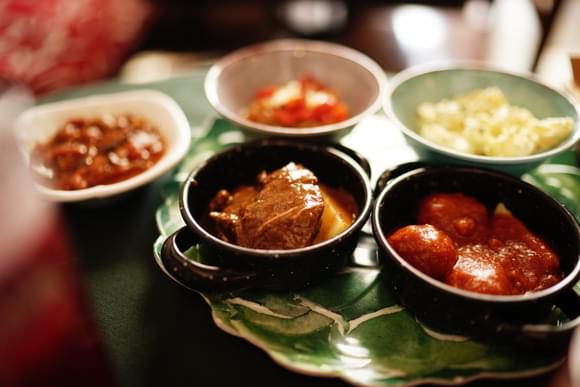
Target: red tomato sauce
x=301, y=103
x=105, y=150
x=459, y=243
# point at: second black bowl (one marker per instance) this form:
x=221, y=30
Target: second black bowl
x=515, y=318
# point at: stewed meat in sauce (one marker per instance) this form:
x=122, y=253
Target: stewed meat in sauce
x=86, y=152
x=461, y=244
x=286, y=209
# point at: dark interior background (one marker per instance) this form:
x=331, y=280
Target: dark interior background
x=219, y=26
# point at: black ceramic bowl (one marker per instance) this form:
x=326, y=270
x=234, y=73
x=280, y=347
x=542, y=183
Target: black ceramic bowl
x=516, y=319
x=225, y=266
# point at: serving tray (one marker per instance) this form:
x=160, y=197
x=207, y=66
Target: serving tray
x=350, y=326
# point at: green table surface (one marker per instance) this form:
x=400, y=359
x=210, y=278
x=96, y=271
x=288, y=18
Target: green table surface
x=157, y=333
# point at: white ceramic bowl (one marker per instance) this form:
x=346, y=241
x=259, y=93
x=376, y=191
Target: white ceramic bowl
x=232, y=82
x=39, y=123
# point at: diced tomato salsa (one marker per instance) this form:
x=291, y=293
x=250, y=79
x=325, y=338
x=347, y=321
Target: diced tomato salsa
x=298, y=103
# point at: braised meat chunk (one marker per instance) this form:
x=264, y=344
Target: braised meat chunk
x=226, y=210
x=283, y=210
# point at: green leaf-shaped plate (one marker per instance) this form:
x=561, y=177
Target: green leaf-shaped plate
x=350, y=326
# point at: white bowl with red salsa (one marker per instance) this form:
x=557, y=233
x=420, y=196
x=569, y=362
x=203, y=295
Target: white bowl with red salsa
x=104, y=145
x=295, y=88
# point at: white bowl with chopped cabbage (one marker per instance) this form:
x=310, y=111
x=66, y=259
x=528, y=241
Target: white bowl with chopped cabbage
x=473, y=114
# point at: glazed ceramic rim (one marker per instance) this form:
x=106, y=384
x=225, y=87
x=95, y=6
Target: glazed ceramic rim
x=566, y=282
x=421, y=70
x=171, y=157
x=361, y=60
x=206, y=236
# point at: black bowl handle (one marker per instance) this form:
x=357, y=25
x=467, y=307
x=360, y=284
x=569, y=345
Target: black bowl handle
x=493, y=327
x=391, y=173
x=196, y=275
x=548, y=337
x=569, y=302
x=356, y=156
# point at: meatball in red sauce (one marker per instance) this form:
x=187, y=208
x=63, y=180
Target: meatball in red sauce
x=463, y=218
x=477, y=270
x=529, y=262
x=461, y=244
x=426, y=248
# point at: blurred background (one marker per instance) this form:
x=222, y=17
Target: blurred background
x=394, y=33
x=52, y=44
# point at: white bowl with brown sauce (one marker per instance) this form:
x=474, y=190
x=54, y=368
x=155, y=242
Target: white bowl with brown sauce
x=295, y=88
x=102, y=146
x=269, y=214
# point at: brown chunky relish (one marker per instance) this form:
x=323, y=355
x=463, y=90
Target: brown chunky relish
x=86, y=152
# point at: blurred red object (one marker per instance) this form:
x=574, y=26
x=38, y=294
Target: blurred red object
x=48, y=336
x=52, y=44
